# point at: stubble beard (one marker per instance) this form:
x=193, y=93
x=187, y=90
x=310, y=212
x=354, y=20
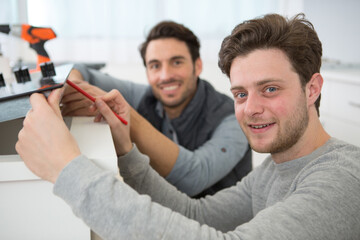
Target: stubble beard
x=293, y=130
x=189, y=92
x=289, y=135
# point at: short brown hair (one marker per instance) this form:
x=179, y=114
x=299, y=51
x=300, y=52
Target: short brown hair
x=296, y=37
x=170, y=29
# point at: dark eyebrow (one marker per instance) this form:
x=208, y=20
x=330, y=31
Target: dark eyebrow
x=266, y=81
x=259, y=83
x=237, y=88
x=171, y=59
x=152, y=61
x=177, y=57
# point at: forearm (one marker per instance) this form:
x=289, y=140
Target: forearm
x=108, y=206
x=215, y=211
x=197, y=170
x=135, y=170
x=162, y=151
x=115, y=211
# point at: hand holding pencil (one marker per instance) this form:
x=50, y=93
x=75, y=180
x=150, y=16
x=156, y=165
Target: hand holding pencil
x=111, y=106
x=91, y=98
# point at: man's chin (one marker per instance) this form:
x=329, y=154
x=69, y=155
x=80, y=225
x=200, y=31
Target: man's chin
x=261, y=150
x=173, y=103
x=260, y=147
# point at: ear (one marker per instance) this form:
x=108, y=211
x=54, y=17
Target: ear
x=198, y=66
x=313, y=88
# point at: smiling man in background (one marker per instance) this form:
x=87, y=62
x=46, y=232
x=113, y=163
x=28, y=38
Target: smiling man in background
x=186, y=127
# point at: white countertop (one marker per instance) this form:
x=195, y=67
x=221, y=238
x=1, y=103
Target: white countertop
x=94, y=140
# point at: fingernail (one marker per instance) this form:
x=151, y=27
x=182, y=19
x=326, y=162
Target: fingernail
x=98, y=102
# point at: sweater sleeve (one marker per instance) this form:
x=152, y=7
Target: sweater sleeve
x=111, y=208
x=197, y=170
x=115, y=211
x=323, y=205
x=215, y=211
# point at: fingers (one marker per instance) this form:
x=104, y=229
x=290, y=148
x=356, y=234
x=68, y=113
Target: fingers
x=90, y=89
x=73, y=96
x=114, y=95
x=45, y=143
x=38, y=100
x=68, y=90
x=82, y=107
x=75, y=104
x=116, y=102
x=119, y=131
x=98, y=117
x=76, y=77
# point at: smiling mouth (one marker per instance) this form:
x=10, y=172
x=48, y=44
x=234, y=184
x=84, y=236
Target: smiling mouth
x=261, y=126
x=170, y=88
x=170, y=85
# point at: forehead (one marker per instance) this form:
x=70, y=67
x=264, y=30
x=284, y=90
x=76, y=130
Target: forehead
x=260, y=65
x=166, y=48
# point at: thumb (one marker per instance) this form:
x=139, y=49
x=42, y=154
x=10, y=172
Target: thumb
x=106, y=112
x=38, y=101
x=54, y=100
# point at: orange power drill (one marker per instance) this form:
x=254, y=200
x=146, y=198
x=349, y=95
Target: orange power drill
x=36, y=36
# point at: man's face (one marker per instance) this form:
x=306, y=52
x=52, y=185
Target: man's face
x=171, y=72
x=270, y=103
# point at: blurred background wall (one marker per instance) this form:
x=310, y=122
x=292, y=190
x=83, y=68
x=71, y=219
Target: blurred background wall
x=110, y=31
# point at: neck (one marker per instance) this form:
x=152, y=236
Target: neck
x=175, y=111
x=314, y=137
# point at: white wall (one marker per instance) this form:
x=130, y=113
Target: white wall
x=335, y=21
x=337, y=24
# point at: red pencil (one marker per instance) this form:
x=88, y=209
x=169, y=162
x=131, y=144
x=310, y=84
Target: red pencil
x=92, y=98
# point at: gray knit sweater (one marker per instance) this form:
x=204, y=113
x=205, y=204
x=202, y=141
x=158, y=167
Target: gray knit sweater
x=313, y=197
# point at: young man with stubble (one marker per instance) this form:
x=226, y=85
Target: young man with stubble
x=308, y=188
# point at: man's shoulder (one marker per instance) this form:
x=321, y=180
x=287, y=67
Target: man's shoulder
x=342, y=148
x=340, y=155
x=208, y=85
x=215, y=94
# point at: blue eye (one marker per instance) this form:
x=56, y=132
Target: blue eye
x=240, y=95
x=271, y=89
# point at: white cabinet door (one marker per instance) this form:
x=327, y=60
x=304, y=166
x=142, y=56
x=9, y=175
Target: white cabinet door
x=340, y=104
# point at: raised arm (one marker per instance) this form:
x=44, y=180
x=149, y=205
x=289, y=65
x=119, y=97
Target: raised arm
x=115, y=211
x=199, y=169
x=162, y=151
x=191, y=171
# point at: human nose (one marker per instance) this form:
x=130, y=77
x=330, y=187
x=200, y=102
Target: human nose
x=166, y=72
x=253, y=105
